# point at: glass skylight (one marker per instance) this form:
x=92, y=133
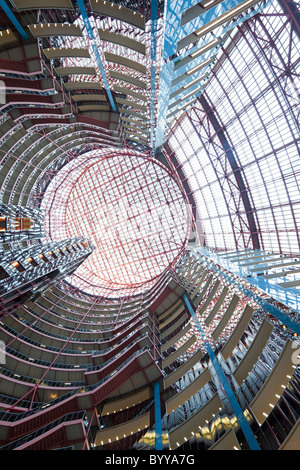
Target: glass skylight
x=248, y=95
x=130, y=208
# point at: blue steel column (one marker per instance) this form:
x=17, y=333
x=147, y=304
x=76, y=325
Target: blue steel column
x=248, y=433
x=13, y=19
x=276, y=312
x=96, y=52
x=153, y=67
x=157, y=416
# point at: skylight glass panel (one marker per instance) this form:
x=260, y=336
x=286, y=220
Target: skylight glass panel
x=130, y=208
x=256, y=104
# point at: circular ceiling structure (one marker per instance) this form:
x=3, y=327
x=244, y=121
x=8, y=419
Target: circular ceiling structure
x=130, y=208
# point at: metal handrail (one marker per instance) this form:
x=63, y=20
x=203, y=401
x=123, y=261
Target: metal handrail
x=33, y=435
x=7, y=416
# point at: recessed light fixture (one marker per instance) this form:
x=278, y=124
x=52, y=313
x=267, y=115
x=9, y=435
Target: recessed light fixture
x=208, y=3
x=188, y=85
x=205, y=48
x=191, y=93
x=230, y=14
x=198, y=67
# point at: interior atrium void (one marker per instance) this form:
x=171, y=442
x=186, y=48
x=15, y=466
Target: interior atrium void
x=132, y=210
x=149, y=225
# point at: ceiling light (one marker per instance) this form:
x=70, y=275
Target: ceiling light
x=208, y=3
x=188, y=85
x=230, y=14
x=198, y=67
x=205, y=48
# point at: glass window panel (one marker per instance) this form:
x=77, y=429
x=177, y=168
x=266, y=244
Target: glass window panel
x=247, y=93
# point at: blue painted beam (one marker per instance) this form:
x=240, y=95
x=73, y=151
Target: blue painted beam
x=154, y=7
x=248, y=433
x=13, y=19
x=175, y=32
x=96, y=52
x=282, y=317
x=157, y=417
